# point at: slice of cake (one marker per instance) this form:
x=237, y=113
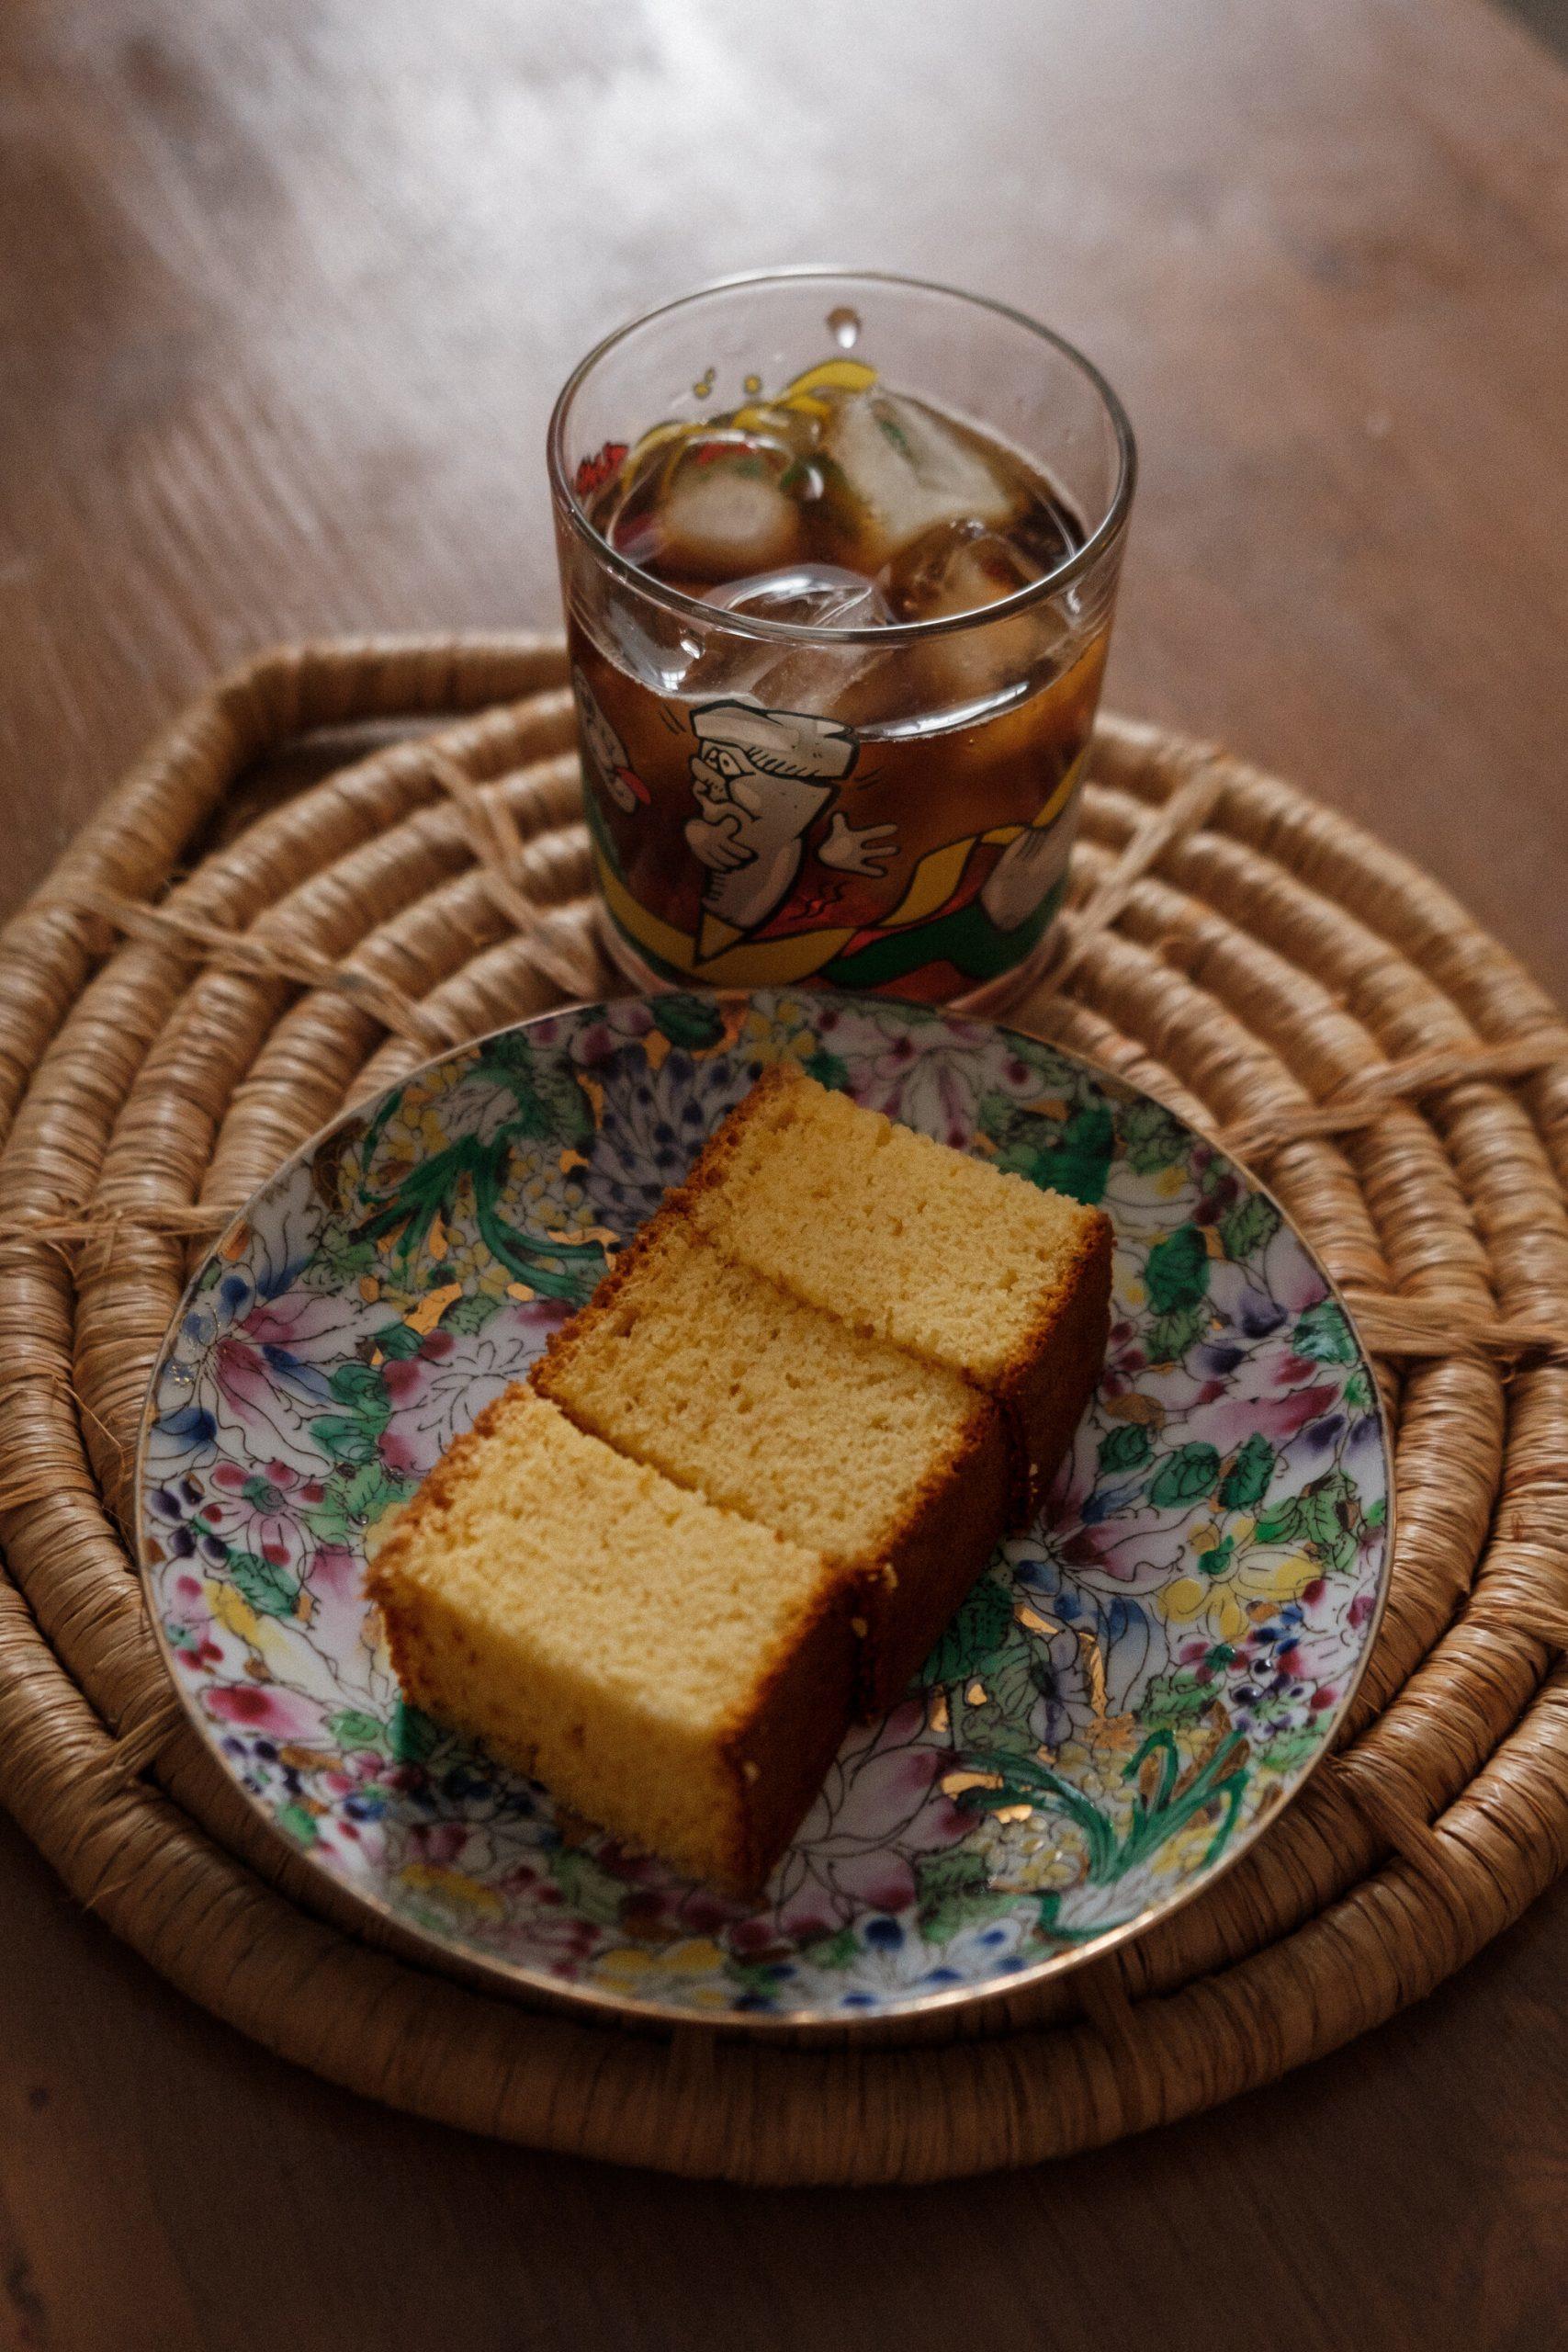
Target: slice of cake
x=915, y=1243
x=752, y=1478
x=669, y=1670
x=894, y=1468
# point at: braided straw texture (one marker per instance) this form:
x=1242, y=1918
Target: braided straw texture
x=189, y=997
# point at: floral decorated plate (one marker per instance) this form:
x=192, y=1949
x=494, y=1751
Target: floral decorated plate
x=1135, y=1687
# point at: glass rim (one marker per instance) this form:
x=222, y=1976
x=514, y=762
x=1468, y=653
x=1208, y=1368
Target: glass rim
x=675, y=600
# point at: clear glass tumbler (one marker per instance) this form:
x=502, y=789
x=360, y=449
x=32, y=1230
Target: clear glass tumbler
x=839, y=556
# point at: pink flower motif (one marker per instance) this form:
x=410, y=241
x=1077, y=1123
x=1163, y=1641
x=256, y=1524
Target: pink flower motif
x=265, y=1707
x=879, y=1808
x=1291, y=1277
x=911, y=1078
x=441, y=1391
x=335, y=1582
x=1136, y=1548
x=186, y=1612
x=439, y=1844
x=598, y=1040
x=557, y=1935
x=1285, y=1417
x=934, y=1093
x=663, y=1909
x=256, y=1513
x=266, y=1378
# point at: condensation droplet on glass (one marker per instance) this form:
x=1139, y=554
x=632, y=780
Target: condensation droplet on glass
x=753, y=384
x=843, y=326
x=702, y=386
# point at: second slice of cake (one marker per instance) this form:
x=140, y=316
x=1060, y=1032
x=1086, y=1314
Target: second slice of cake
x=915, y=1243
x=895, y=1469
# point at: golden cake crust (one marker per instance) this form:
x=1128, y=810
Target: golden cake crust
x=853, y=1643
x=775, y=1745
x=1055, y=1372
x=1054, y=1377
x=949, y=1528
x=953, y=1526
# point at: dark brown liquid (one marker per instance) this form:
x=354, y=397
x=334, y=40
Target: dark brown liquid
x=932, y=516
x=832, y=808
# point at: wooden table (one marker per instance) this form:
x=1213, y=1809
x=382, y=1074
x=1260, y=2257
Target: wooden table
x=285, y=294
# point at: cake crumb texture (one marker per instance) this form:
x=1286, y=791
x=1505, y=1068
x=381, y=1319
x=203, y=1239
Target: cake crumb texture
x=619, y=1638
x=893, y=1468
x=750, y=1480
x=960, y=1264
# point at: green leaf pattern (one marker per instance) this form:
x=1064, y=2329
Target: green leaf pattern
x=1097, y=1727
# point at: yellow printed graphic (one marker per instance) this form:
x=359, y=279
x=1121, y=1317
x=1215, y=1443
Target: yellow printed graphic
x=715, y=935
x=935, y=878
x=827, y=376
x=723, y=957
x=1060, y=797
x=746, y=965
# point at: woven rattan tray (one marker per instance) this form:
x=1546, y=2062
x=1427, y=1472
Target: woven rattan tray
x=189, y=996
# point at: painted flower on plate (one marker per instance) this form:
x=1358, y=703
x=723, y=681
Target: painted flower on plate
x=652, y=1126
x=1139, y=1676
x=881, y=1807
x=441, y=1388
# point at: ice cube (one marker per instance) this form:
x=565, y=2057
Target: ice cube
x=822, y=596
x=960, y=568
x=904, y=470
x=722, y=513
x=843, y=681
x=830, y=679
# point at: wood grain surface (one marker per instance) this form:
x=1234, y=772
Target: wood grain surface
x=285, y=296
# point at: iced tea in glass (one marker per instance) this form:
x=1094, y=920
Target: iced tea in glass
x=839, y=557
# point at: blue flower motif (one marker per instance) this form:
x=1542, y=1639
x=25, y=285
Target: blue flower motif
x=654, y=1125
x=247, y=1396
x=190, y=1426
x=307, y=1380
x=1322, y=1435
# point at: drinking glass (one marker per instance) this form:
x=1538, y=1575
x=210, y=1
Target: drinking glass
x=782, y=784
